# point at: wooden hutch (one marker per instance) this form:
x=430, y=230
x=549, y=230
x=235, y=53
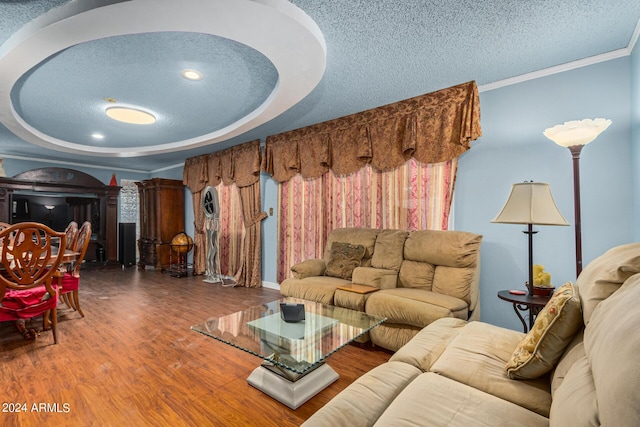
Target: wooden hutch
x=102, y=210
x=161, y=218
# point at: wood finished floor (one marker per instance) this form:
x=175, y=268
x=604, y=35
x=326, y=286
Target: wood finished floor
x=133, y=361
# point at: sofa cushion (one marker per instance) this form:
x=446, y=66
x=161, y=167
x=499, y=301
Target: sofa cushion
x=393, y=336
x=318, y=288
x=455, y=282
x=575, y=403
x=574, y=352
x=362, y=403
x=308, y=268
x=355, y=236
x=441, y=261
x=414, y=307
x=434, y=400
x=476, y=357
x=612, y=345
x=449, y=248
x=428, y=344
x=376, y=277
x=605, y=274
x=416, y=274
x=389, y=247
x=553, y=330
x=344, y=259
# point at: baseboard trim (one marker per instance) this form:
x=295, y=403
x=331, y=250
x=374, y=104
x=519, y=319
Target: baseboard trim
x=270, y=285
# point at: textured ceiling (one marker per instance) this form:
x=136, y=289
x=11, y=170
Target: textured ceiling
x=377, y=52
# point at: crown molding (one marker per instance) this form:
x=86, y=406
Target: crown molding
x=63, y=162
x=555, y=70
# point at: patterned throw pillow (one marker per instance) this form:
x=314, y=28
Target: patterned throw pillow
x=344, y=259
x=555, y=326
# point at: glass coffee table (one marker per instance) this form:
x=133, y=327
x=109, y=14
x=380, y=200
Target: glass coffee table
x=293, y=370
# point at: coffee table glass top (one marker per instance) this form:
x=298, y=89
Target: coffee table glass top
x=298, y=347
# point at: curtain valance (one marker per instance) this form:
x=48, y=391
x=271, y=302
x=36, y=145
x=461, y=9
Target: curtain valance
x=239, y=164
x=432, y=128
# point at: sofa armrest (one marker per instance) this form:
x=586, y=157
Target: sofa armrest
x=377, y=277
x=308, y=268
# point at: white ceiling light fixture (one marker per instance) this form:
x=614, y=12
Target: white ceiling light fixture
x=191, y=75
x=130, y=115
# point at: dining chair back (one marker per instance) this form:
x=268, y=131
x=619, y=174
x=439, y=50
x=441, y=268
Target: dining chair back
x=29, y=262
x=72, y=234
x=71, y=279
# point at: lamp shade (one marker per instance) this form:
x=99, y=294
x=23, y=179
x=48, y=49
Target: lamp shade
x=577, y=132
x=530, y=203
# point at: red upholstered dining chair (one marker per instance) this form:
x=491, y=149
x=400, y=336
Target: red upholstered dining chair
x=71, y=279
x=29, y=263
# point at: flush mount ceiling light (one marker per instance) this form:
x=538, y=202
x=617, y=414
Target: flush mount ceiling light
x=130, y=115
x=191, y=75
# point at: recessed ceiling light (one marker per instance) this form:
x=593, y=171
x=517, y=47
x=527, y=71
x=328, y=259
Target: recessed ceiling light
x=130, y=115
x=191, y=75
x=97, y=135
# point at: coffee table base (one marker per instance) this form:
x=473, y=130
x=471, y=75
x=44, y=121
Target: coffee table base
x=292, y=393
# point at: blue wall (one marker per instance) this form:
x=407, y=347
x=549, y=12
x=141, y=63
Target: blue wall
x=635, y=139
x=513, y=149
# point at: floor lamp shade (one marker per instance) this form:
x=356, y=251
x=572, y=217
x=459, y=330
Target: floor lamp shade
x=530, y=203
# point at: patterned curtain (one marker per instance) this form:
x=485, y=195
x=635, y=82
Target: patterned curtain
x=235, y=173
x=413, y=196
x=231, y=233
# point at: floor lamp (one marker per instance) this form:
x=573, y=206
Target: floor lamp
x=574, y=135
x=530, y=203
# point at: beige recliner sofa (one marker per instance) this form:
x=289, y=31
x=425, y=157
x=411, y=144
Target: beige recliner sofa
x=422, y=276
x=583, y=369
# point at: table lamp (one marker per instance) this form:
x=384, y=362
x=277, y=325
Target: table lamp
x=530, y=203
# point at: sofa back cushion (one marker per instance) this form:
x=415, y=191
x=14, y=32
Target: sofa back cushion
x=601, y=387
x=605, y=274
x=612, y=344
x=575, y=402
x=389, y=247
x=441, y=261
x=354, y=236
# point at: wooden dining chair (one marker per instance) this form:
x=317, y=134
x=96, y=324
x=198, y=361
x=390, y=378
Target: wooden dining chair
x=72, y=234
x=70, y=282
x=30, y=264
x=3, y=225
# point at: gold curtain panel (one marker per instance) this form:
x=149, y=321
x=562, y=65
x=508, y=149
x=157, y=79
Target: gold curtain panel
x=210, y=169
x=432, y=128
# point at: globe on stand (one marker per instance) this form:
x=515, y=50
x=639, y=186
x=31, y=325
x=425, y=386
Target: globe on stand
x=181, y=244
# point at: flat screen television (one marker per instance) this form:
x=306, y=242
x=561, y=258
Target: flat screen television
x=56, y=211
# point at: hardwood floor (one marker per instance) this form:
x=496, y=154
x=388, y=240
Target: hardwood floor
x=133, y=361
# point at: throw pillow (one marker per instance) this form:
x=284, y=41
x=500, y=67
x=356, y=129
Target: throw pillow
x=344, y=259
x=553, y=330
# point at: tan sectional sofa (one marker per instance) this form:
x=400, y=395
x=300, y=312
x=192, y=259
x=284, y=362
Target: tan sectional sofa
x=453, y=372
x=422, y=276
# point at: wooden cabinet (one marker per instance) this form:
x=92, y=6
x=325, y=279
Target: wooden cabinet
x=69, y=189
x=161, y=218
